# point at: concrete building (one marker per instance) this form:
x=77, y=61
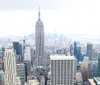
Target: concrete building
x=42, y=81
x=89, y=50
x=10, y=66
x=84, y=71
x=18, y=49
x=39, y=41
x=27, y=53
x=94, y=68
x=33, y=82
x=27, y=66
x=62, y=69
x=17, y=81
x=1, y=77
x=21, y=72
x=79, y=79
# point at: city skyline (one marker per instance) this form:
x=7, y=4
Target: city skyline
x=66, y=17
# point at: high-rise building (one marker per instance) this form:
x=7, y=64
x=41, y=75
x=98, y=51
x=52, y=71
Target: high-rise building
x=71, y=49
x=94, y=68
x=28, y=66
x=18, y=49
x=33, y=57
x=27, y=54
x=10, y=66
x=89, y=50
x=2, y=50
x=21, y=72
x=79, y=54
x=99, y=65
x=39, y=40
x=75, y=49
x=1, y=77
x=62, y=69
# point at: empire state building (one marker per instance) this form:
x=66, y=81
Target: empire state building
x=39, y=41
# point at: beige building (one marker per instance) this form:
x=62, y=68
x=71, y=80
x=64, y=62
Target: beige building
x=33, y=82
x=17, y=81
x=10, y=67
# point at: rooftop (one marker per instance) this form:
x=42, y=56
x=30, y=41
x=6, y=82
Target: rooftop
x=97, y=80
x=61, y=57
x=92, y=81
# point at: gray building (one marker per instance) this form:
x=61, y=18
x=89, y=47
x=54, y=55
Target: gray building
x=21, y=72
x=89, y=50
x=39, y=40
x=62, y=70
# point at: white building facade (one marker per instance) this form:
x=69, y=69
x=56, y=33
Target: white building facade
x=62, y=69
x=10, y=67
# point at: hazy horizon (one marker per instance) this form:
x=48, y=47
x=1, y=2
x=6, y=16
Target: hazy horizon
x=73, y=17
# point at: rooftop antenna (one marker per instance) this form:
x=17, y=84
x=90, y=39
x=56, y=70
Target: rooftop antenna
x=39, y=13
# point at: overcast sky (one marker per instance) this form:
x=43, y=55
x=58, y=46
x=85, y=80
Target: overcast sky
x=18, y=17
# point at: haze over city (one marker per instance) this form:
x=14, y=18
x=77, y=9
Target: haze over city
x=72, y=17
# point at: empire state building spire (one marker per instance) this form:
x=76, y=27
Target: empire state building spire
x=39, y=13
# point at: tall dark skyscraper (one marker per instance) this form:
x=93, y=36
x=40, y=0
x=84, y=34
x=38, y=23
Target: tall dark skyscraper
x=79, y=54
x=99, y=64
x=75, y=48
x=89, y=50
x=18, y=49
x=39, y=40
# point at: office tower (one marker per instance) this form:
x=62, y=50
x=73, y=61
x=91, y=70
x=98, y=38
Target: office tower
x=1, y=64
x=2, y=50
x=27, y=52
x=10, y=66
x=1, y=77
x=28, y=66
x=42, y=81
x=79, y=79
x=39, y=40
x=23, y=43
x=71, y=49
x=18, y=49
x=99, y=65
x=62, y=69
x=79, y=55
x=32, y=57
x=94, y=68
x=21, y=72
x=84, y=71
x=33, y=82
x=75, y=48
x=17, y=81
x=89, y=50
x=25, y=72
x=89, y=70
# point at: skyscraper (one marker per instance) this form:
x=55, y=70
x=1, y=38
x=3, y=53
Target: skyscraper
x=99, y=64
x=39, y=40
x=62, y=70
x=79, y=55
x=21, y=72
x=18, y=49
x=10, y=67
x=89, y=50
x=75, y=48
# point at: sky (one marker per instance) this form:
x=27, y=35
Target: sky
x=79, y=17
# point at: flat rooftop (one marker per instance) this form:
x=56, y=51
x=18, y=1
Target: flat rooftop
x=97, y=80
x=92, y=81
x=61, y=57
